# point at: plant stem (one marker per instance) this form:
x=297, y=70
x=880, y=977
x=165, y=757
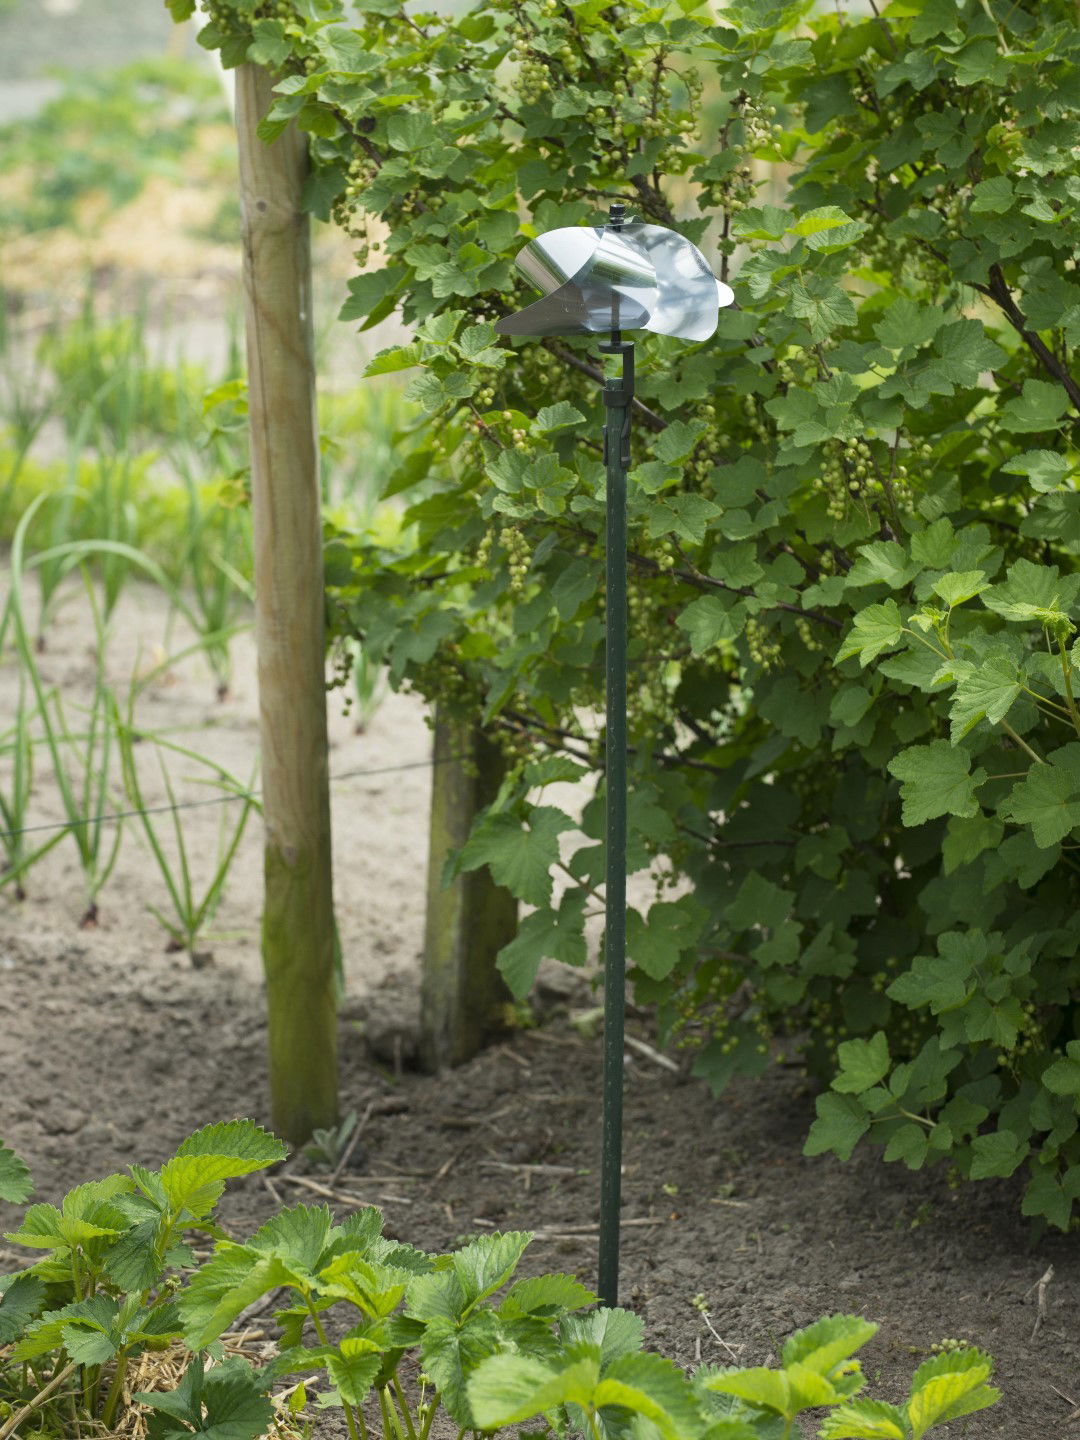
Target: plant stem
x=351, y=1415
x=429, y=1418
x=116, y=1389
x=1066, y=672
x=406, y=1414
x=1021, y=742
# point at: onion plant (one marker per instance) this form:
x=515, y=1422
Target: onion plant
x=16, y=787
x=192, y=907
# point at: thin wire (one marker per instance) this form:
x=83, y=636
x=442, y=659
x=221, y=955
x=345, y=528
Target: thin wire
x=116, y=816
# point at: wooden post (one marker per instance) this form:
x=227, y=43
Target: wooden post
x=297, y=926
x=462, y=996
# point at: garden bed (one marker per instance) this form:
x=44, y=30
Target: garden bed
x=112, y=1054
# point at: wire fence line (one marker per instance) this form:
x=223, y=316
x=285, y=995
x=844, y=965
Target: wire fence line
x=115, y=816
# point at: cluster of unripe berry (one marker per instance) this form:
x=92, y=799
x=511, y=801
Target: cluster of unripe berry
x=346, y=210
x=762, y=649
x=516, y=549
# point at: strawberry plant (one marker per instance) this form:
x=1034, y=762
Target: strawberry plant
x=361, y=1313
x=853, y=516
x=104, y=1290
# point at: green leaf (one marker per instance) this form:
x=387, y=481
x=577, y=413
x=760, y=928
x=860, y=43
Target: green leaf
x=936, y=780
x=353, y=1368
x=235, y=1406
x=1048, y=798
x=562, y=416
x=21, y=1300
x=544, y=934
x=686, y=516
x=1033, y=593
x=368, y=292
x=908, y=323
x=46, y=1228
x=709, y=620
x=1039, y=407
x=486, y=1263
x=653, y=1387
x=613, y=1331
x=768, y=1389
x=997, y=1154
x=828, y=229
x=951, y=1385
x=825, y=308
x=862, y=1064
x=224, y=1286
x=864, y=1420
x=16, y=1186
x=959, y=586
x=840, y=1125
x=451, y=1353
x=1046, y=469
x=508, y=1389
x=986, y=691
x=1063, y=1076
x=519, y=856
x=270, y=46
x=876, y=629
x=823, y=1345
x=548, y=1296
x=671, y=928
x=195, y=1177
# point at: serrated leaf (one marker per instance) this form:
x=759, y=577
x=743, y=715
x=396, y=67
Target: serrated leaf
x=562, y=416
x=936, y=780
x=297, y=1235
x=708, y=620
x=841, y=1123
x=486, y=1263
x=864, y=1420
x=908, y=323
x=998, y=1154
x=1033, y=593
x=862, y=1063
x=1039, y=407
x=959, y=586
x=653, y=1387
x=235, y=1407
x=509, y=1389
x=353, y=1368
x=46, y=1228
x=451, y=1352
x=1061, y=1078
x=768, y=1389
x=519, y=855
x=549, y=1296
x=195, y=1177
x=16, y=1186
x=1048, y=798
x=1046, y=469
x=823, y=1345
x=613, y=1331
x=20, y=1303
x=875, y=629
x=232, y=1279
x=949, y=1386
x=986, y=691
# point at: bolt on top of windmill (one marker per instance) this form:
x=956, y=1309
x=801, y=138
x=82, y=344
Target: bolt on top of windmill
x=622, y=275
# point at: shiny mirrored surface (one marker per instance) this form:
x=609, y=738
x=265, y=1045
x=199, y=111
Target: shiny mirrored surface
x=637, y=277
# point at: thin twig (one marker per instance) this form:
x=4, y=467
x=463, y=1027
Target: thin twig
x=642, y=1048
x=347, y=1153
x=1041, y=1286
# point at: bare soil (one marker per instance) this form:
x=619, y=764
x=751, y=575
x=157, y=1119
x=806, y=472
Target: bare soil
x=111, y=1051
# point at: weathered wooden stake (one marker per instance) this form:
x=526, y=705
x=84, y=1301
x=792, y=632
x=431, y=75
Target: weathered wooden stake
x=463, y=996
x=298, y=927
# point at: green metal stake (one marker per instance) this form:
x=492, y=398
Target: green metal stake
x=618, y=397
x=619, y=276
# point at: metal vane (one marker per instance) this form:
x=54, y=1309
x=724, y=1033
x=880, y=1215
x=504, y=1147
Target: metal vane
x=624, y=275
